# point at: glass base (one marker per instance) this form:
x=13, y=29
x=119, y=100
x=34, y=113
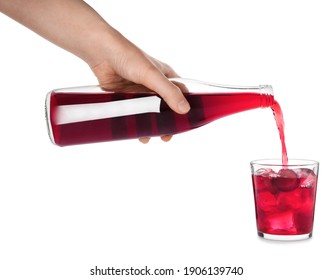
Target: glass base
x=284, y=237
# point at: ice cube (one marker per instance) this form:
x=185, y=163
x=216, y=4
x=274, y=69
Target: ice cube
x=308, y=178
x=304, y=221
x=289, y=200
x=281, y=223
x=266, y=202
x=263, y=180
x=263, y=171
x=286, y=180
x=308, y=197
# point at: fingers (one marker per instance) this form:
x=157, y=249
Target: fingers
x=155, y=80
x=164, y=68
x=166, y=138
x=134, y=65
x=146, y=140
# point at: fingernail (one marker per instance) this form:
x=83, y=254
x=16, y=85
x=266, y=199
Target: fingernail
x=183, y=106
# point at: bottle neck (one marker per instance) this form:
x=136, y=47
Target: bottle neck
x=267, y=98
x=189, y=85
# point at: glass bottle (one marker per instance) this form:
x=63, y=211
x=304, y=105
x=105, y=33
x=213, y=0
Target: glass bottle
x=92, y=114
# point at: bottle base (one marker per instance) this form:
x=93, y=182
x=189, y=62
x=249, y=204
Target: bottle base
x=284, y=237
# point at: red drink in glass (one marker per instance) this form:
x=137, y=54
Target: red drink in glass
x=285, y=198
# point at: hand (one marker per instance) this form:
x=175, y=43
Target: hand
x=76, y=27
x=132, y=64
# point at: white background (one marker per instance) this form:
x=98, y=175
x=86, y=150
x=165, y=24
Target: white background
x=185, y=203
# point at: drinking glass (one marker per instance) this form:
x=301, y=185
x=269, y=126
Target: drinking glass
x=285, y=197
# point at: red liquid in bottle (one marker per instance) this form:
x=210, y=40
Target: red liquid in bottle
x=79, y=118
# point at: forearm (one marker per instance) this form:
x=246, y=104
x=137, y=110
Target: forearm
x=71, y=24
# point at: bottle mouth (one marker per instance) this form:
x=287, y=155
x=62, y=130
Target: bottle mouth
x=267, y=96
x=266, y=89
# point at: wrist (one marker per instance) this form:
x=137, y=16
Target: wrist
x=100, y=45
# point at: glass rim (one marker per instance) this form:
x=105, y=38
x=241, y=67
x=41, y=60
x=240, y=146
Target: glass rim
x=278, y=162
